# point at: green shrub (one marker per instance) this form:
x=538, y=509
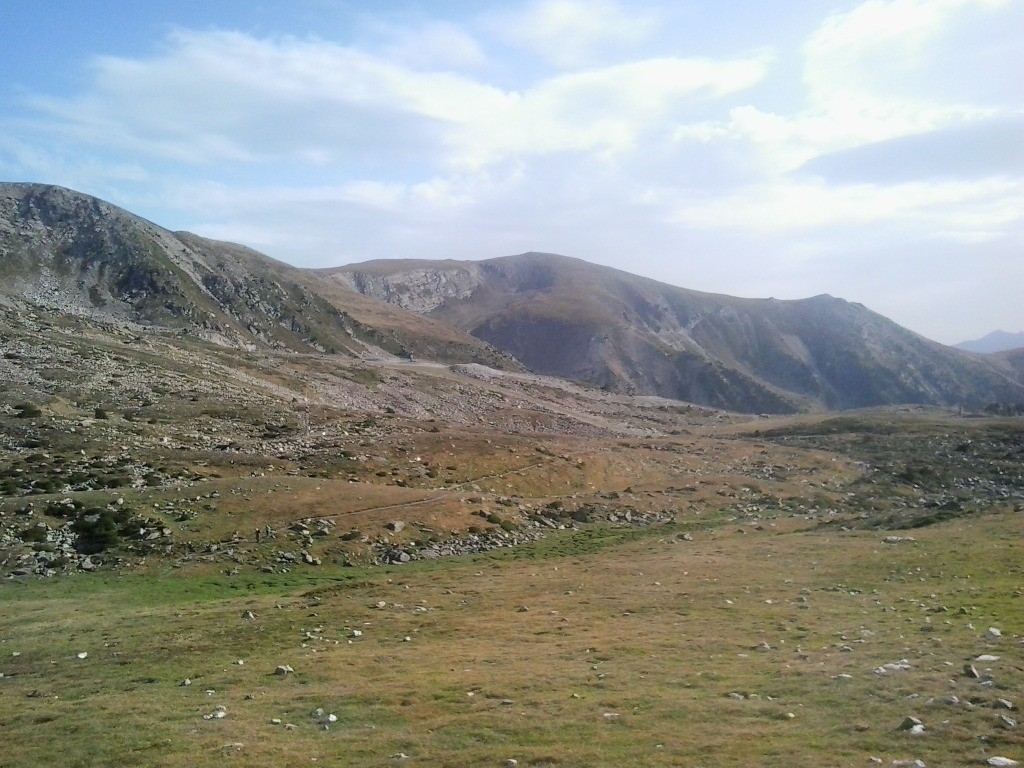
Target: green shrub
x=96, y=533
x=28, y=411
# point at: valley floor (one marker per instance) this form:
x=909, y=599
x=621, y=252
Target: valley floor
x=213, y=556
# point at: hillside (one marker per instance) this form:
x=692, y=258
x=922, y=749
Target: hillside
x=997, y=341
x=565, y=317
x=71, y=253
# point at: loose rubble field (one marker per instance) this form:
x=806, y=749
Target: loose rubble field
x=280, y=559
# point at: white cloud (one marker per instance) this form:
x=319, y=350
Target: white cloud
x=953, y=209
x=883, y=70
x=879, y=69
x=225, y=97
x=604, y=110
x=433, y=45
x=574, y=33
x=228, y=97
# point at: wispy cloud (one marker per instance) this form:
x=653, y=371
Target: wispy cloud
x=574, y=33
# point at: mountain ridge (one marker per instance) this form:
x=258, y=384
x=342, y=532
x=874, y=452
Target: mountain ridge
x=71, y=252
x=555, y=315
x=996, y=341
x=562, y=316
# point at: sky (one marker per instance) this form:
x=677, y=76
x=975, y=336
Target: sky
x=872, y=150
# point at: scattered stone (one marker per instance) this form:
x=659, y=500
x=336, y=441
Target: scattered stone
x=511, y=763
x=971, y=672
x=219, y=712
x=1007, y=722
x=1003, y=704
x=248, y=615
x=185, y=682
x=987, y=657
x=763, y=647
x=1001, y=762
x=395, y=526
x=892, y=666
x=898, y=540
x=83, y=655
x=908, y=764
x=283, y=669
x=993, y=633
x=911, y=724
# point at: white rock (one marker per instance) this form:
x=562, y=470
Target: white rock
x=912, y=725
x=987, y=657
x=993, y=633
x=1003, y=762
x=83, y=655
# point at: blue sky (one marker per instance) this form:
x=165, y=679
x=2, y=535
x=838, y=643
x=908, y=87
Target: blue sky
x=872, y=150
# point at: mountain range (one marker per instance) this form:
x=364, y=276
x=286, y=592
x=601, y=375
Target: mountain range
x=67, y=252
x=565, y=317
x=997, y=341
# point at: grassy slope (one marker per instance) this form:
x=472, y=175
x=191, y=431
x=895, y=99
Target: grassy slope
x=654, y=630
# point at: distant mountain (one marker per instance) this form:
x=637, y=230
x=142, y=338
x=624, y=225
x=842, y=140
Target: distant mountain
x=64, y=251
x=568, y=318
x=997, y=341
